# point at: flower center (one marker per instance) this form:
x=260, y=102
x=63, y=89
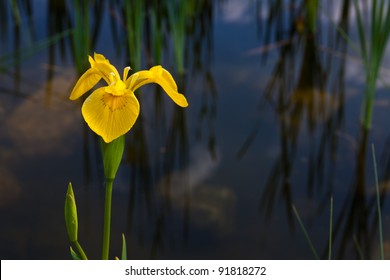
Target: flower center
x=117, y=88
x=113, y=102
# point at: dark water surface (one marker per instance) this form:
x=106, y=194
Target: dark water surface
x=273, y=121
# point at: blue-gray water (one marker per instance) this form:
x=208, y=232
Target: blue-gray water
x=273, y=121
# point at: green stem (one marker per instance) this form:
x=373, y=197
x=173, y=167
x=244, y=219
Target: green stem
x=358, y=248
x=107, y=219
x=305, y=232
x=80, y=250
x=382, y=255
x=330, y=228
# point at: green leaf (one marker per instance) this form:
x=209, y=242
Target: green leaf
x=74, y=254
x=112, y=156
x=124, y=251
x=70, y=211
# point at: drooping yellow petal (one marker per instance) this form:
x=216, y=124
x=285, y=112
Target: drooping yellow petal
x=160, y=76
x=87, y=81
x=110, y=116
x=164, y=75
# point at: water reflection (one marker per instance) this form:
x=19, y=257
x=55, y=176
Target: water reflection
x=10, y=188
x=359, y=218
x=310, y=107
x=190, y=180
x=32, y=126
x=305, y=109
x=207, y=202
x=309, y=103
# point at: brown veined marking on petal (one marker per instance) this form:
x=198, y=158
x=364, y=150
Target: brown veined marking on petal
x=114, y=102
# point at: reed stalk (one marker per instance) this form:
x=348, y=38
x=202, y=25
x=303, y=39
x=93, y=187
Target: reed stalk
x=81, y=35
x=307, y=237
x=134, y=16
x=378, y=204
x=177, y=16
x=373, y=44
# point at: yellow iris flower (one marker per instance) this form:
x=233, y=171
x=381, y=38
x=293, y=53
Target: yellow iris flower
x=112, y=110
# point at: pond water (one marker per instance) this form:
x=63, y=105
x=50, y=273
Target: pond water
x=274, y=121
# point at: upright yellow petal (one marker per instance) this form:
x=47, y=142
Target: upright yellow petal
x=107, y=70
x=110, y=116
x=99, y=57
x=87, y=81
x=160, y=76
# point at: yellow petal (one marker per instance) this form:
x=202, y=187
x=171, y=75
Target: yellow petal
x=110, y=116
x=160, y=76
x=126, y=72
x=164, y=75
x=87, y=81
x=108, y=71
x=99, y=57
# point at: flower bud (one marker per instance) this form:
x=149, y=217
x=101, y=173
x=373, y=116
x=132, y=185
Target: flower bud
x=71, y=220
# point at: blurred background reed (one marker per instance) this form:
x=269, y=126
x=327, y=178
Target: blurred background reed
x=281, y=94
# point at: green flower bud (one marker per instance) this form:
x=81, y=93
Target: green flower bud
x=71, y=220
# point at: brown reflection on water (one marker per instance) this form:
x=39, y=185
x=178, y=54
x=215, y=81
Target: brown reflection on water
x=37, y=128
x=209, y=205
x=10, y=188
